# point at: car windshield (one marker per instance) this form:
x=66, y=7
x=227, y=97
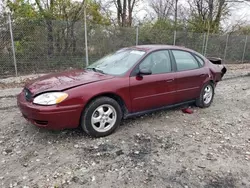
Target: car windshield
x=117, y=63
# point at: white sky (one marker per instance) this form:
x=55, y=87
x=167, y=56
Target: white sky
x=240, y=12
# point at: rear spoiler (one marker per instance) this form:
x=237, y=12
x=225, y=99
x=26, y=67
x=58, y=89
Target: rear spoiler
x=215, y=60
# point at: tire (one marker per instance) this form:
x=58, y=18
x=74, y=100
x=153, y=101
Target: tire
x=202, y=101
x=101, y=117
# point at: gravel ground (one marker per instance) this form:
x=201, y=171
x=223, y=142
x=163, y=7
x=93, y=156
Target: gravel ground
x=209, y=148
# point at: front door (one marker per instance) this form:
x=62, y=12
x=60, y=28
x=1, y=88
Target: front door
x=155, y=90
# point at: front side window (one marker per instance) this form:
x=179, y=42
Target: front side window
x=117, y=63
x=158, y=62
x=185, y=60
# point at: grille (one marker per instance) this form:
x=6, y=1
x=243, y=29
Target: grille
x=28, y=95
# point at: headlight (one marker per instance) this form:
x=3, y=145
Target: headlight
x=50, y=98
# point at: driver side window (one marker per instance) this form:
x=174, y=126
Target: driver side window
x=158, y=62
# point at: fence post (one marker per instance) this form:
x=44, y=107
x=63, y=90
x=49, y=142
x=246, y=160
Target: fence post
x=137, y=35
x=225, y=51
x=86, y=37
x=203, y=43
x=12, y=43
x=244, y=51
x=205, y=50
x=174, y=37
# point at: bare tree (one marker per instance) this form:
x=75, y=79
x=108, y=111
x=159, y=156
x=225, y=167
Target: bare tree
x=175, y=13
x=165, y=9
x=106, y=10
x=125, y=10
x=48, y=9
x=162, y=8
x=208, y=13
x=47, y=12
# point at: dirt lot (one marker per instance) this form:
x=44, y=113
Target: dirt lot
x=210, y=148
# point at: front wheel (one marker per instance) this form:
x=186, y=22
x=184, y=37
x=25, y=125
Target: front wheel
x=101, y=117
x=206, y=96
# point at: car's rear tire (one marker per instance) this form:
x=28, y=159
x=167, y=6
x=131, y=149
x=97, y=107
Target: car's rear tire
x=206, y=96
x=101, y=117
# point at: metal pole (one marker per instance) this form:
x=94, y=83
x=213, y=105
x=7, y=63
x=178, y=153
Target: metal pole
x=174, y=37
x=175, y=20
x=225, y=52
x=205, y=50
x=203, y=43
x=13, y=45
x=86, y=37
x=208, y=32
x=243, y=56
x=137, y=35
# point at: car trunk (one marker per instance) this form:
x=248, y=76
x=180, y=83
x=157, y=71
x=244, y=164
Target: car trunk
x=215, y=60
x=222, y=69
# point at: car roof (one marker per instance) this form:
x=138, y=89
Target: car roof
x=153, y=47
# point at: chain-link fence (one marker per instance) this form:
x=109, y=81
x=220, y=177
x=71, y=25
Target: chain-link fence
x=48, y=46
x=6, y=54
x=103, y=40
x=41, y=46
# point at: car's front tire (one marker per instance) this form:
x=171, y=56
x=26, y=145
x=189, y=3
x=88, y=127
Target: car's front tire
x=101, y=117
x=206, y=96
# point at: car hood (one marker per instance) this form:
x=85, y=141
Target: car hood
x=64, y=80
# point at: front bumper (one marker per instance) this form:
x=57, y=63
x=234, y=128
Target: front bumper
x=52, y=117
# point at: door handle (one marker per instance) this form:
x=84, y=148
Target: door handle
x=170, y=80
x=202, y=75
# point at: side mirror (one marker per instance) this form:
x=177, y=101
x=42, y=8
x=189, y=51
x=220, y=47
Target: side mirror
x=145, y=71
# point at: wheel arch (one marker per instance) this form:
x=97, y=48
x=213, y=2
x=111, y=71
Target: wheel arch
x=111, y=95
x=212, y=81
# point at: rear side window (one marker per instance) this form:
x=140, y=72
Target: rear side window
x=201, y=61
x=185, y=60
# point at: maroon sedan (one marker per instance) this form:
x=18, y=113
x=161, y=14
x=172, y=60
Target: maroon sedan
x=129, y=82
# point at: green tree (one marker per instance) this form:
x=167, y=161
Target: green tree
x=161, y=32
x=242, y=30
x=59, y=17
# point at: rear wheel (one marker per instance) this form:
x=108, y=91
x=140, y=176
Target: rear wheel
x=206, y=96
x=101, y=117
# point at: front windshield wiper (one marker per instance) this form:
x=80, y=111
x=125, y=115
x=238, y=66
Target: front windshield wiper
x=96, y=70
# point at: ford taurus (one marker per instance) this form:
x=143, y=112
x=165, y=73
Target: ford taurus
x=129, y=82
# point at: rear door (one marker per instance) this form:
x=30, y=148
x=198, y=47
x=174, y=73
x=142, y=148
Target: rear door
x=190, y=75
x=155, y=90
